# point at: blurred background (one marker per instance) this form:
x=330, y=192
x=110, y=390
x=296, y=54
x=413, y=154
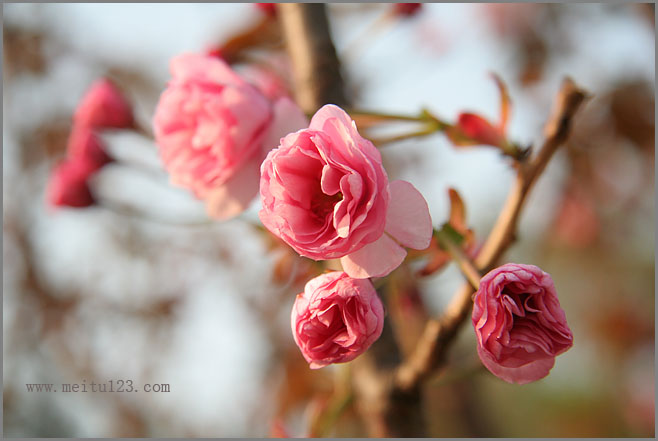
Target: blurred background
x=153, y=293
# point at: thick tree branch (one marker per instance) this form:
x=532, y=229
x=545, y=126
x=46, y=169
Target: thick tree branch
x=316, y=68
x=318, y=82
x=432, y=348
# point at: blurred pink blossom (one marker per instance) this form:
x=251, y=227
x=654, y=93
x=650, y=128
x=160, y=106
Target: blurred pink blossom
x=67, y=185
x=214, y=129
x=326, y=194
x=103, y=107
x=406, y=9
x=83, y=143
x=336, y=319
x=268, y=8
x=519, y=324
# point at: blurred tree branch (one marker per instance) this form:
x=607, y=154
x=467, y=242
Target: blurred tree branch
x=316, y=67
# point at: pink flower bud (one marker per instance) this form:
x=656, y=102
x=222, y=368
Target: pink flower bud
x=68, y=186
x=480, y=130
x=104, y=107
x=519, y=324
x=407, y=9
x=83, y=143
x=268, y=8
x=336, y=319
x=325, y=192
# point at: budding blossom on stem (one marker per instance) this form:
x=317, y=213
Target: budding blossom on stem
x=83, y=143
x=213, y=130
x=268, y=8
x=326, y=194
x=104, y=107
x=480, y=130
x=519, y=324
x=336, y=319
x=68, y=184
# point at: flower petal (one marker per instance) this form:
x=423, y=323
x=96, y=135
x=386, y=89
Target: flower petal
x=288, y=118
x=377, y=259
x=408, y=218
x=235, y=195
x=527, y=373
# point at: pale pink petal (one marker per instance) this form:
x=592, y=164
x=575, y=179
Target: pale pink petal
x=288, y=118
x=408, y=218
x=376, y=259
x=235, y=195
x=533, y=371
x=198, y=67
x=328, y=112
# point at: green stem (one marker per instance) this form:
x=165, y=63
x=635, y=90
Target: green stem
x=386, y=116
x=424, y=116
x=465, y=264
x=419, y=133
x=336, y=409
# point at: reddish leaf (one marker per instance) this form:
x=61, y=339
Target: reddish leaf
x=505, y=102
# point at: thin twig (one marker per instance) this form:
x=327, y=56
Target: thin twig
x=439, y=333
x=465, y=264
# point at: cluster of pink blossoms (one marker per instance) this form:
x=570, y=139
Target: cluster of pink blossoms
x=102, y=107
x=324, y=192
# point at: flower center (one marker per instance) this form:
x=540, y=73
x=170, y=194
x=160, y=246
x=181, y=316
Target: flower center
x=323, y=204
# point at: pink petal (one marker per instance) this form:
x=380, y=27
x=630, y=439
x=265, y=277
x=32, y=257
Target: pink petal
x=377, y=259
x=235, y=195
x=528, y=373
x=288, y=118
x=329, y=112
x=408, y=219
x=198, y=67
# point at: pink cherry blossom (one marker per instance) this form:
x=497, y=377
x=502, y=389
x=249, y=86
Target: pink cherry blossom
x=325, y=193
x=213, y=130
x=83, y=143
x=68, y=186
x=336, y=319
x=104, y=107
x=519, y=324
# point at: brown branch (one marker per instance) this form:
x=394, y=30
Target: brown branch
x=318, y=82
x=430, y=353
x=316, y=68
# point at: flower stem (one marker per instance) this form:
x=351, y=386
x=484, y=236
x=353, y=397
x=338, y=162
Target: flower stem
x=419, y=133
x=465, y=264
x=423, y=116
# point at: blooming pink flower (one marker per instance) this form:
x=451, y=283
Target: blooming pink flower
x=325, y=193
x=213, y=130
x=83, y=143
x=103, y=106
x=336, y=319
x=519, y=324
x=68, y=185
